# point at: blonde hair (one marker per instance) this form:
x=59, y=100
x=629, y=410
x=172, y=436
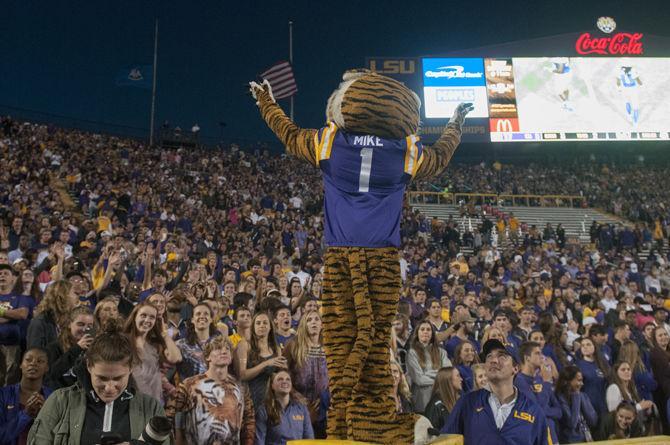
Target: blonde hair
x=300, y=344
x=57, y=302
x=487, y=333
x=101, y=304
x=218, y=342
x=475, y=368
x=403, y=386
x=630, y=353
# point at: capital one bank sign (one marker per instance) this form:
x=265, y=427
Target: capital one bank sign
x=617, y=44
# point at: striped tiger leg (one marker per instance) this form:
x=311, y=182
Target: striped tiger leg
x=339, y=335
x=371, y=415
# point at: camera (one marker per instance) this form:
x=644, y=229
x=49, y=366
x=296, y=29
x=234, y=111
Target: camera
x=156, y=432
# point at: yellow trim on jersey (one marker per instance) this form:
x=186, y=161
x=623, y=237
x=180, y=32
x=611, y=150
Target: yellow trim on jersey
x=326, y=144
x=549, y=441
x=412, y=159
x=317, y=144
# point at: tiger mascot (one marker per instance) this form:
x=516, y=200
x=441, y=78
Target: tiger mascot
x=368, y=152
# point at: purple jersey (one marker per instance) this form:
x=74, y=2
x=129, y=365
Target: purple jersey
x=364, y=179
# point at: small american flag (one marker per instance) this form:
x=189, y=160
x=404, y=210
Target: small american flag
x=281, y=80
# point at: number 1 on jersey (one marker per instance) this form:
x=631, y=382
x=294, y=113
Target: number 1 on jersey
x=366, y=166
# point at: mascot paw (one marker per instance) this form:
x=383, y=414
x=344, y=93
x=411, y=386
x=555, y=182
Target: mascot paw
x=258, y=89
x=461, y=111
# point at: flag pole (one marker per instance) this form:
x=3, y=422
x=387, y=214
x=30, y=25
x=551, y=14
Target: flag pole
x=153, y=87
x=290, y=54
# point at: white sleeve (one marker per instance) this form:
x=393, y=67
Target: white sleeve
x=613, y=397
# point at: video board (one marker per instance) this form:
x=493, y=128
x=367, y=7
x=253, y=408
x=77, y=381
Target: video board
x=535, y=99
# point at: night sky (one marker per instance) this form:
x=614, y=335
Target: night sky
x=62, y=57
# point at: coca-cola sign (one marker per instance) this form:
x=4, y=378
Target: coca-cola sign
x=623, y=43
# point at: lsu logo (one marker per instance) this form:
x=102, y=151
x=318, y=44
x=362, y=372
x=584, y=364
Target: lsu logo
x=298, y=417
x=537, y=387
x=524, y=416
x=407, y=66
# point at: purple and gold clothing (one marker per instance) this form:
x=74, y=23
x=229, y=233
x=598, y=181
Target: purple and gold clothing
x=364, y=179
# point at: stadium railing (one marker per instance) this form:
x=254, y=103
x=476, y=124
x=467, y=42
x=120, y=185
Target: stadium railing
x=495, y=199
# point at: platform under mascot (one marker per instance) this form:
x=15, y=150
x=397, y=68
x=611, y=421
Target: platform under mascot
x=368, y=152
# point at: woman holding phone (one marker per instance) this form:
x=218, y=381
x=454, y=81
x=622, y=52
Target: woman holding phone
x=66, y=352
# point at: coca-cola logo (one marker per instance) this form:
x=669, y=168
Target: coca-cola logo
x=619, y=44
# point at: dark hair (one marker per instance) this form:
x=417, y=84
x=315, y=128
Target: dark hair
x=111, y=346
x=253, y=262
x=254, y=349
x=272, y=406
x=597, y=329
x=526, y=348
x=548, y=327
x=566, y=376
x=598, y=357
x=631, y=390
x=191, y=336
x=242, y=299
x=457, y=353
x=432, y=350
x=275, y=309
x=240, y=309
x=430, y=302
x=37, y=349
x=620, y=324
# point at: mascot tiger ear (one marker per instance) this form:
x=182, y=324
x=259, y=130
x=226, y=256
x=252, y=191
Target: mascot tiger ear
x=366, y=102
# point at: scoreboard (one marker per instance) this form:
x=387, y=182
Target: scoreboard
x=538, y=99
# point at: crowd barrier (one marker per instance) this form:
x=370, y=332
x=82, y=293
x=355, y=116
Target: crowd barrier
x=451, y=439
x=496, y=199
x=652, y=440
x=454, y=439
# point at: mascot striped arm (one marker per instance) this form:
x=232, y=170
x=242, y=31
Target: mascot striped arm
x=368, y=152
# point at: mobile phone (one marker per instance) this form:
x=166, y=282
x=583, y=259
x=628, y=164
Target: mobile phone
x=110, y=439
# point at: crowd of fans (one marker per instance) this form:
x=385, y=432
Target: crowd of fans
x=628, y=189
x=198, y=275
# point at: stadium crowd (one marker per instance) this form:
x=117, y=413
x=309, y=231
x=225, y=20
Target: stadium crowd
x=198, y=273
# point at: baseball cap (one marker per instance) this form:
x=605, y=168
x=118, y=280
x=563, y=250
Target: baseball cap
x=502, y=312
x=493, y=345
x=464, y=318
x=589, y=320
x=7, y=267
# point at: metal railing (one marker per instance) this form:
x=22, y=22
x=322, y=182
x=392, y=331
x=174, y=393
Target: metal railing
x=494, y=199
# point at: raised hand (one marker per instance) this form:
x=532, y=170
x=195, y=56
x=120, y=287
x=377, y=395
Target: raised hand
x=260, y=88
x=461, y=111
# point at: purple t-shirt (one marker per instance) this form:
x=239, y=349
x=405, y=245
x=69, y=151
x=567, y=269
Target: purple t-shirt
x=10, y=332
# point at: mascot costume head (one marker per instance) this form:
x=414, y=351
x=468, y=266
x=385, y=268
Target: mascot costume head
x=370, y=103
x=368, y=152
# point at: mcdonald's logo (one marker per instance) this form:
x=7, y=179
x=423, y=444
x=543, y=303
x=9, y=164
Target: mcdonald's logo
x=504, y=125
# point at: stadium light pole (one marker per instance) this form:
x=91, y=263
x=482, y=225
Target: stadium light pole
x=290, y=55
x=153, y=87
